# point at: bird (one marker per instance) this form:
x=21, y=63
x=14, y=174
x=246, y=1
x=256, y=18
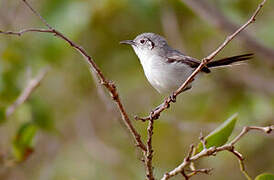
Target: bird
x=166, y=68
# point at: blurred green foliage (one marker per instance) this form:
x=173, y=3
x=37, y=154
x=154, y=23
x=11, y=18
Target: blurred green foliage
x=265, y=176
x=90, y=143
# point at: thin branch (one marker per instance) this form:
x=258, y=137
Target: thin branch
x=100, y=91
x=37, y=14
x=213, y=15
x=166, y=104
x=202, y=171
x=213, y=150
x=31, y=86
x=149, y=152
x=246, y=129
x=185, y=175
x=242, y=167
x=241, y=162
x=110, y=86
x=20, y=33
x=202, y=139
x=190, y=153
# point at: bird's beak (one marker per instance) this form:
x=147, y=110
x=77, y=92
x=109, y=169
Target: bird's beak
x=130, y=42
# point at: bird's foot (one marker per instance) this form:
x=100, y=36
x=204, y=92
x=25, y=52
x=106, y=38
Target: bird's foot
x=172, y=98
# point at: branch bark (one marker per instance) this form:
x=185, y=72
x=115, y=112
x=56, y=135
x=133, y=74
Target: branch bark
x=110, y=86
x=213, y=150
x=214, y=16
x=149, y=152
x=95, y=71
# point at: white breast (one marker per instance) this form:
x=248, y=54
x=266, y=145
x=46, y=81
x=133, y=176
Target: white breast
x=164, y=77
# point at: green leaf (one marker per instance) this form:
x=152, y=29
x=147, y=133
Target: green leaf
x=23, y=142
x=220, y=135
x=265, y=176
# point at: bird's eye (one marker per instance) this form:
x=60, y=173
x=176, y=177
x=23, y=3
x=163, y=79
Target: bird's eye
x=142, y=41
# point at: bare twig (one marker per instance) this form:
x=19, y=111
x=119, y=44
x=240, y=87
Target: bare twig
x=20, y=33
x=110, y=86
x=242, y=167
x=32, y=84
x=190, y=153
x=149, y=152
x=166, y=104
x=96, y=74
x=202, y=171
x=184, y=175
x=213, y=15
x=241, y=162
x=213, y=150
x=202, y=139
x=246, y=129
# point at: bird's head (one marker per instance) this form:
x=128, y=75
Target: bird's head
x=147, y=44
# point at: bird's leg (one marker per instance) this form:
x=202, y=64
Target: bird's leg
x=172, y=97
x=166, y=104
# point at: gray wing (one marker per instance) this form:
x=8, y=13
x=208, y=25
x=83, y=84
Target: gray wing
x=178, y=57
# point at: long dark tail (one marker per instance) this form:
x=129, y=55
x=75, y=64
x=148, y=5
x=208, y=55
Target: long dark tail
x=229, y=60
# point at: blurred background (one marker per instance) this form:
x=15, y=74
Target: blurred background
x=79, y=134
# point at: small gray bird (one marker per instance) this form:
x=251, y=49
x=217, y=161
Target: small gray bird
x=166, y=68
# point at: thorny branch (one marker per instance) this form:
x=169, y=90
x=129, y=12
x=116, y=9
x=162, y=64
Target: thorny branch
x=155, y=114
x=31, y=86
x=214, y=150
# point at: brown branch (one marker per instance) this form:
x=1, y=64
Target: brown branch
x=242, y=167
x=213, y=15
x=20, y=33
x=196, y=171
x=213, y=150
x=96, y=74
x=149, y=152
x=202, y=139
x=100, y=91
x=246, y=129
x=166, y=104
x=185, y=175
x=110, y=86
x=31, y=86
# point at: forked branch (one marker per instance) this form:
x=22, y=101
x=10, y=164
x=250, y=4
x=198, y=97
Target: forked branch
x=110, y=86
x=214, y=150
